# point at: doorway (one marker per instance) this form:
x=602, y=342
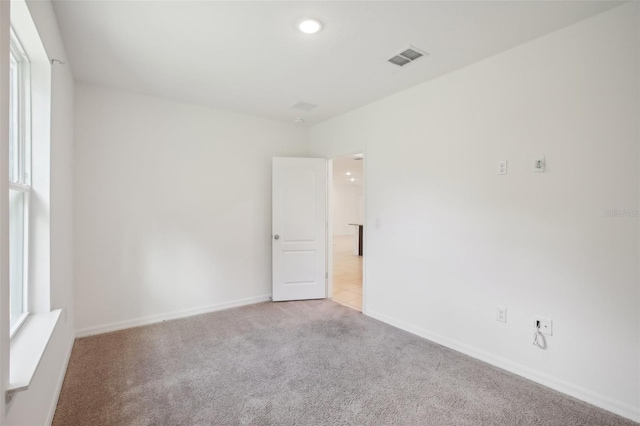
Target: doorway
x=346, y=230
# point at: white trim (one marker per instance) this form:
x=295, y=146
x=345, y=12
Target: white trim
x=121, y=325
x=61, y=376
x=27, y=349
x=365, y=230
x=16, y=326
x=329, y=227
x=19, y=187
x=601, y=401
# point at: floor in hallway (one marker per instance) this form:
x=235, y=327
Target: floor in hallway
x=347, y=272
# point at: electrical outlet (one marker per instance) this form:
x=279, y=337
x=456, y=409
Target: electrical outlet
x=502, y=167
x=501, y=314
x=539, y=164
x=545, y=325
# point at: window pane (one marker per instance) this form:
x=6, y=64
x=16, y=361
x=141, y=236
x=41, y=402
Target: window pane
x=17, y=294
x=14, y=120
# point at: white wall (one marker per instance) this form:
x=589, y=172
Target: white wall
x=173, y=207
x=36, y=405
x=456, y=240
x=346, y=208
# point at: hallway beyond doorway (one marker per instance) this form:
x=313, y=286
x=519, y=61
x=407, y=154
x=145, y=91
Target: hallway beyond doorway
x=347, y=272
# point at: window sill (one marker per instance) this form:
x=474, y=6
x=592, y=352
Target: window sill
x=27, y=348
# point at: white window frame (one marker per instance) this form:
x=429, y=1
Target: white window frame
x=23, y=181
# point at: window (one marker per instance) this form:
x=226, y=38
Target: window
x=19, y=181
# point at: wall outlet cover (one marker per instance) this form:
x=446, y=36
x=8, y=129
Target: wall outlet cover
x=502, y=167
x=501, y=314
x=545, y=325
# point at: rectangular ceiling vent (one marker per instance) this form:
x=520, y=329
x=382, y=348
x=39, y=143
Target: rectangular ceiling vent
x=304, y=106
x=408, y=55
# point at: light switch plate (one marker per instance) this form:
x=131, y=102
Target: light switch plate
x=539, y=164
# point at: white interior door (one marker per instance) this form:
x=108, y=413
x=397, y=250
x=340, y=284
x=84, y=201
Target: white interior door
x=299, y=228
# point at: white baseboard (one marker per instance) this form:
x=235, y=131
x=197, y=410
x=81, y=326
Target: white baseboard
x=61, y=376
x=121, y=325
x=601, y=401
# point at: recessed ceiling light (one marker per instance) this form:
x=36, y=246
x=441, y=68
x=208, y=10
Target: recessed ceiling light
x=353, y=179
x=348, y=173
x=298, y=120
x=310, y=26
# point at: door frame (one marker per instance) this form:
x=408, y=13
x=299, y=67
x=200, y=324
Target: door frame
x=329, y=236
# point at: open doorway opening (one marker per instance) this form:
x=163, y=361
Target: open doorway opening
x=347, y=230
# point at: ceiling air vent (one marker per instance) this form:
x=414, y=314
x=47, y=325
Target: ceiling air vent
x=304, y=106
x=399, y=60
x=407, y=56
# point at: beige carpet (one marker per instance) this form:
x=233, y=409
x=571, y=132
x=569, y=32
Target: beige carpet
x=296, y=363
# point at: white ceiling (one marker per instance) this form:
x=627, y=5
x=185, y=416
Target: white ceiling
x=249, y=57
x=344, y=165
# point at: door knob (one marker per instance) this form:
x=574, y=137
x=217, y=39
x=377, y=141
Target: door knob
x=277, y=237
